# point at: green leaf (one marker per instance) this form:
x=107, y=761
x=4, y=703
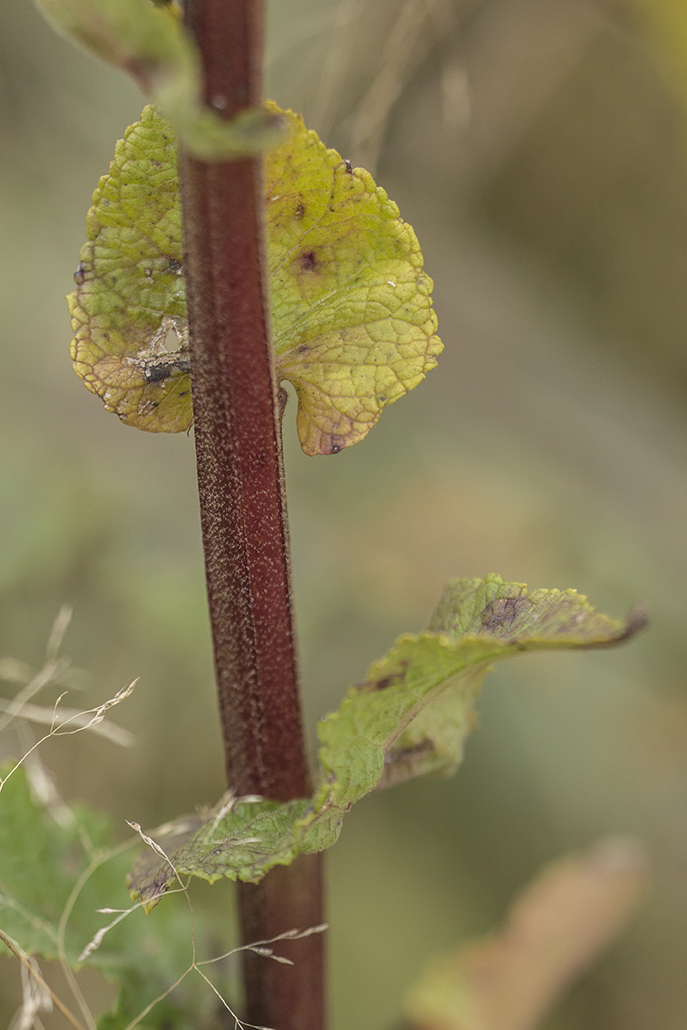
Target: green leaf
x=410, y=716
x=45, y=861
x=252, y=837
x=150, y=43
x=40, y=861
x=353, y=323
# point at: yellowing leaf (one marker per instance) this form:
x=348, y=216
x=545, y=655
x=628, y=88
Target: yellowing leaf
x=353, y=323
x=130, y=299
x=572, y=911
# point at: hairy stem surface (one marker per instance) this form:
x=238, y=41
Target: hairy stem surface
x=243, y=517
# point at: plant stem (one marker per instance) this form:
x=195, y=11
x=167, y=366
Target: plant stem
x=243, y=515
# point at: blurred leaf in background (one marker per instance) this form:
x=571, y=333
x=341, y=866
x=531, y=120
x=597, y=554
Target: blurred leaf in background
x=538, y=149
x=557, y=926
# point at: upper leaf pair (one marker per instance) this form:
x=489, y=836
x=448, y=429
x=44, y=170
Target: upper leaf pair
x=353, y=324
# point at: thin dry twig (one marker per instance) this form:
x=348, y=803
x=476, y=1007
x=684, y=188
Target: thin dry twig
x=53, y=668
x=46, y=716
x=87, y=720
x=33, y=971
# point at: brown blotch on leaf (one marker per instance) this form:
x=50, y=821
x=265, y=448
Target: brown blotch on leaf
x=336, y=444
x=384, y=682
x=502, y=613
x=406, y=762
x=404, y=754
x=308, y=260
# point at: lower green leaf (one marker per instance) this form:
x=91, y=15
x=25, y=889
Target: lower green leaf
x=411, y=716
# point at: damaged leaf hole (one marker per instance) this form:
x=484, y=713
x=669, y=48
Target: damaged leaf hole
x=167, y=353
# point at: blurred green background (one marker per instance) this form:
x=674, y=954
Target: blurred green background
x=538, y=147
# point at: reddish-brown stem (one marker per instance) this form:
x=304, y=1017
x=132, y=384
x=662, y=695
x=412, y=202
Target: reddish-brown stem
x=240, y=481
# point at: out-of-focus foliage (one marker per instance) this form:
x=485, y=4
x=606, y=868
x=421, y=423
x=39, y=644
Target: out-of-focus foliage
x=539, y=151
x=666, y=21
x=150, y=42
x=507, y=981
x=59, y=870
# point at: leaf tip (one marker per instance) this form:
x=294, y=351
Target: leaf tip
x=637, y=620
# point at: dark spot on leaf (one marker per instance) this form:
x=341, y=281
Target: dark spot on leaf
x=405, y=754
x=384, y=682
x=308, y=260
x=174, y=265
x=406, y=762
x=500, y=614
x=156, y=372
x=300, y=210
x=336, y=444
x=80, y=274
